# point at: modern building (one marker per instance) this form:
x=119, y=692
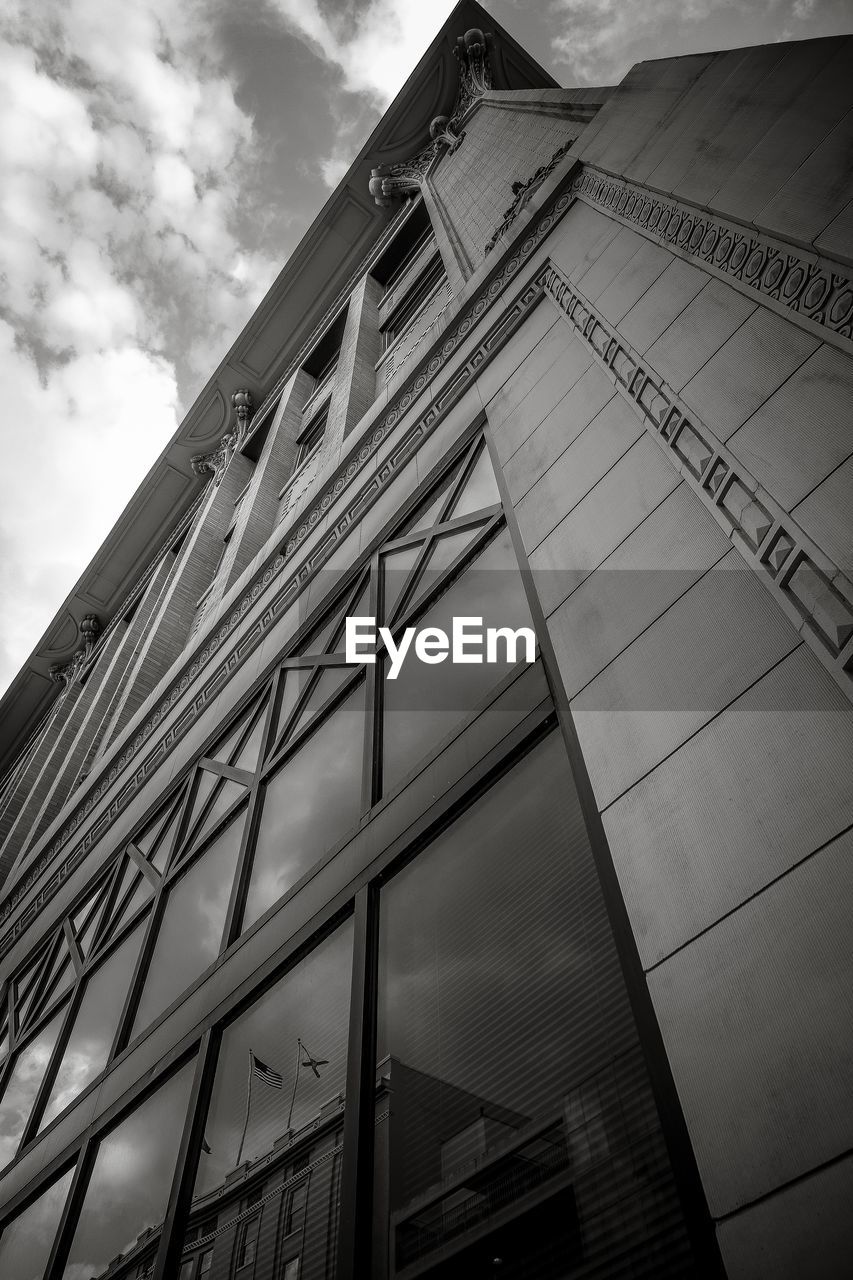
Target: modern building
x=509, y=970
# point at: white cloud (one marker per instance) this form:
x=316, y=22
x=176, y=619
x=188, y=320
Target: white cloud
x=598, y=34
x=377, y=47
x=122, y=276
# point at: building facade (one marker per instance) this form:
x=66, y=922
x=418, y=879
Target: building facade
x=505, y=970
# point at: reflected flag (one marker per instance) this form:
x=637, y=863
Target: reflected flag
x=313, y=1063
x=268, y=1074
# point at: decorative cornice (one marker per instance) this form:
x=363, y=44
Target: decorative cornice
x=793, y=279
x=65, y=673
x=475, y=74
x=812, y=590
x=443, y=132
x=243, y=406
x=430, y=366
x=522, y=191
x=390, y=182
x=214, y=464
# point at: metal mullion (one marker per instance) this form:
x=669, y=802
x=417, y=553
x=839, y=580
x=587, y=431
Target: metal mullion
x=183, y=1180
x=21, y=1042
x=40, y=1002
x=481, y=516
x=455, y=568
x=43, y=1092
x=76, y=954
x=296, y=710
x=185, y=806
x=107, y=904
x=194, y=853
x=458, y=484
x=243, y=776
x=145, y=866
x=412, y=580
x=118, y=928
x=40, y=971
x=290, y=747
x=191, y=833
x=240, y=885
x=356, y=1219
x=71, y=1209
x=441, y=526
x=251, y=719
x=371, y=752
x=131, y=1002
x=97, y=902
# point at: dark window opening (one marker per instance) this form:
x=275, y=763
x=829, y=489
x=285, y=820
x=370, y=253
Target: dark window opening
x=414, y=302
x=312, y=437
x=404, y=248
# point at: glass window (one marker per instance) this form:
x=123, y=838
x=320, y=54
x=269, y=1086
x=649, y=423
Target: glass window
x=26, y=1241
x=94, y=1027
x=519, y=1099
x=313, y=800
x=426, y=702
x=206, y=1263
x=24, y=1081
x=312, y=437
x=247, y=1241
x=291, y=1269
x=190, y=934
x=296, y=1201
x=279, y=1083
x=186, y=1269
x=131, y=1178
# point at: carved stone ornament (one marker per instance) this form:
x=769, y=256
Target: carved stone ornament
x=243, y=404
x=390, y=182
x=475, y=73
x=214, y=464
x=522, y=191
x=443, y=132
x=65, y=673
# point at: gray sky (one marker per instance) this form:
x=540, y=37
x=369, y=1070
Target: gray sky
x=159, y=161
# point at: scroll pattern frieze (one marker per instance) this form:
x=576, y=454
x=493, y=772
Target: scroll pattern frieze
x=812, y=590
x=796, y=281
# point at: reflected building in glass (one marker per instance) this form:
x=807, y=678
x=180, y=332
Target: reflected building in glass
x=500, y=970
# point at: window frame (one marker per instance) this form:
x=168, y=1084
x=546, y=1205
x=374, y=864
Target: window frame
x=306, y=444
x=242, y=1240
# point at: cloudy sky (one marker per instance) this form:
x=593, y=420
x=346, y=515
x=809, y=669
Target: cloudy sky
x=159, y=160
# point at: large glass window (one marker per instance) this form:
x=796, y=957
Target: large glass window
x=25, y=1075
x=191, y=930
x=423, y=703
x=313, y=800
x=279, y=1092
x=26, y=1241
x=88, y=1045
x=128, y=1188
x=520, y=1116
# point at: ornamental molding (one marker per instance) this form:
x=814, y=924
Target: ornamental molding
x=796, y=281
x=66, y=673
x=523, y=191
x=298, y=579
x=391, y=182
x=809, y=586
x=215, y=463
